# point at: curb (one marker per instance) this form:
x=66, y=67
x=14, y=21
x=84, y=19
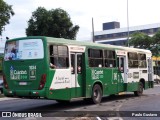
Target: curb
x=7, y=98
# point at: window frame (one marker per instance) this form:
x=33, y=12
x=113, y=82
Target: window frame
x=109, y=59
x=132, y=59
x=59, y=58
x=102, y=58
x=142, y=63
x=93, y=59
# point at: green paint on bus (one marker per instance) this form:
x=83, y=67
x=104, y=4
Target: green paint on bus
x=60, y=69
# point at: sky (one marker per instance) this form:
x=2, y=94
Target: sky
x=141, y=12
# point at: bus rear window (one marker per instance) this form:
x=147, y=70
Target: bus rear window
x=24, y=49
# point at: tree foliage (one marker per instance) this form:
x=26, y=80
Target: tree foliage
x=52, y=23
x=156, y=44
x=6, y=12
x=144, y=41
x=156, y=38
x=140, y=40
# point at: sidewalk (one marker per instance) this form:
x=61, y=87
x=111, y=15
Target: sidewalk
x=7, y=98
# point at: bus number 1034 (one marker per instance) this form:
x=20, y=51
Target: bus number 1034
x=32, y=67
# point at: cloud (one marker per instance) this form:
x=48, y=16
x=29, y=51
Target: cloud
x=81, y=12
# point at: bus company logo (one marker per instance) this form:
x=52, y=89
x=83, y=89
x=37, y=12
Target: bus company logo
x=97, y=74
x=11, y=70
x=17, y=74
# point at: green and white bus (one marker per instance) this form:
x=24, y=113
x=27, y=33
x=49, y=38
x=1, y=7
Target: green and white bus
x=1, y=59
x=81, y=69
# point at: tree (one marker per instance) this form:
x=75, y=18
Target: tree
x=156, y=44
x=6, y=12
x=140, y=40
x=52, y=23
x=156, y=38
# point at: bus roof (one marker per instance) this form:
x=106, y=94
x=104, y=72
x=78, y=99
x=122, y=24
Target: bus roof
x=82, y=43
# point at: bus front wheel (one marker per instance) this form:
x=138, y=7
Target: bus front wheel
x=139, y=92
x=96, y=94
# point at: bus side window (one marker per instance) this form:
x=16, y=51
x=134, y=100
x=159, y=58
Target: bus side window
x=95, y=57
x=79, y=64
x=51, y=63
x=72, y=63
x=59, y=56
x=122, y=64
x=109, y=58
x=106, y=63
x=51, y=57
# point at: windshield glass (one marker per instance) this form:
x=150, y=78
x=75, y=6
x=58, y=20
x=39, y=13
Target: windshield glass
x=24, y=49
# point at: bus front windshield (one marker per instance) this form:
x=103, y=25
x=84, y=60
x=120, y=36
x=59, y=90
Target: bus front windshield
x=24, y=49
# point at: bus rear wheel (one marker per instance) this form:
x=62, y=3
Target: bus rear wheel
x=96, y=94
x=139, y=92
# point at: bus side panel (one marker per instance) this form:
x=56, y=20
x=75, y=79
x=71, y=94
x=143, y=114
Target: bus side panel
x=111, y=81
x=59, y=85
x=133, y=86
x=88, y=88
x=151, y=84
x=108, y=78
x=121, y=85
x=59, y=94
x=146, y=86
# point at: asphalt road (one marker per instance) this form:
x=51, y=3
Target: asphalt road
x=150, y=101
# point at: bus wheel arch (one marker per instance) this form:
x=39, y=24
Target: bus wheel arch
x=141, y=86
x=143, y=82
x=97, y=92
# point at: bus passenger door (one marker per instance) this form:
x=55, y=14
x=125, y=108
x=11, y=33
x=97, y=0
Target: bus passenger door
x=122, y=72
x=76, y=75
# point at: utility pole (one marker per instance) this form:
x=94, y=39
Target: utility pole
x=93, y=30
x=127, y=25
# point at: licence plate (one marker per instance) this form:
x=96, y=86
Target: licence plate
x=22, y=83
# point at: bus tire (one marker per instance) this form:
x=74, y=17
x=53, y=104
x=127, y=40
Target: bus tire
x=96, y=94
x=139, y=92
